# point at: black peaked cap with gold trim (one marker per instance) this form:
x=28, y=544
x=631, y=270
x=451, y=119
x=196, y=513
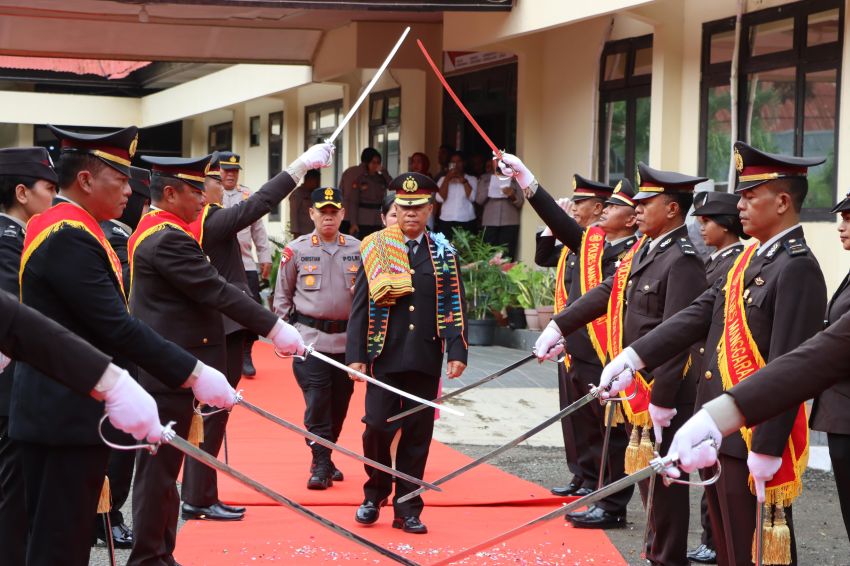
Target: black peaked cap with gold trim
x=326, y=196
x=116, y=149
x=843, y=206
x=229, y=160
x=413, y=189
x=214, y=170
x=756, y=167
x=653, y=182
x=140, y=181
x=623, y=195
x=190, y=170
x=584, y=188
x=32, y=162
x=714, y=203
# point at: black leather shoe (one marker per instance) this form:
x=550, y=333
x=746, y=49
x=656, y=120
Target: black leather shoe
x=369, y=512
x=336, y=475
x=582, y=491
x=122, y=536
x=248, y=369
x=410, y=525
x=703, y=554
x=566, y=491
x=598, y=518
x=214, y=512
x=320, y=478
x=231, y=508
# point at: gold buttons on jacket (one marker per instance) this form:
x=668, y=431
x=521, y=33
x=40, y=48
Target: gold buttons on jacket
x=646, y=287
x=702, y=350
x=412, y=271
x=411, y=308
x=205, y=340
x=708, y=375
x=718, y=348
x=630, y=282
x=411, y=327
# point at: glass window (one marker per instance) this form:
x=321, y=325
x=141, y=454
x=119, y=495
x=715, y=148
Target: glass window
x=770, y=110
x=772, y=37
x=819, y=123
x=719, y=134
x=615, y=133
x=643, y=61
x=722, y=45
x=254, y=130
x=615, y=67
x=385, y=127
x=322, y=119
x=822, y=27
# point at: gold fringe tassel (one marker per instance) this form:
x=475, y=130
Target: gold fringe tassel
x=646, y=451
x=104, y=502
x=618, y=414
x=631, y=465
x=777, y=548
x=196, y=430
x=765, y=529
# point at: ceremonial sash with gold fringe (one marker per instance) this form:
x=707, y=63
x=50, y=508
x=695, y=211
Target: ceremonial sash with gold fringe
x=61, y=216
x=197, y=227
x=590, y=270
x=561, y=291
x=151, y=223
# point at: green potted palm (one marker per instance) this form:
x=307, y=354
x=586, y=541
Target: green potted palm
x=529, y=284
x=545, y=297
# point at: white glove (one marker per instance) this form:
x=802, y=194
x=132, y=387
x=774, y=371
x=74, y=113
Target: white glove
x=132, y=409
x=549, y=345
x=619, y=373
x=687, y=443
x=211, y=388
x=316, y=156
x=523, y=176
x=763, y=468
x=286, y=339
x=4, y=361
x=661, y=419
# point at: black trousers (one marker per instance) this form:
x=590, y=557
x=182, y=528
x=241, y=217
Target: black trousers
x=13, y=509
x=707, y=538
x=254, y=285
x=327, y=391
x=413, y=445
x=565, y=397
x=63, y=485
x=156, y=502
x=200, y=482
x=839, y=453
x=507, y=236
x=667, y=542
x=732, y=510
x=120, y=473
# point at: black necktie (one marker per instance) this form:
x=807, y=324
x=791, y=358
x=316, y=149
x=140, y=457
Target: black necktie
x=411, y=249
x=644, y=251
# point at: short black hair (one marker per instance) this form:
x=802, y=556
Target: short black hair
x=158, y=184
x=70, y=164
x=389, y=200
x=7, y=188
x=731, y=222
x=369, y=154
x=313, y=174
x=685, y=200
x=797, y=187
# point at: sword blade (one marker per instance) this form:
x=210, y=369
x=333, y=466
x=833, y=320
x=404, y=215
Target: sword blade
x=193, y=452
x=333, y=446
x=369, y=87
x=505, y=447
x=759, y=533
x=466, y=388
x=382, y=385
x=609, y=422
x=110, y=542
x=609, y=489
x=650, y=494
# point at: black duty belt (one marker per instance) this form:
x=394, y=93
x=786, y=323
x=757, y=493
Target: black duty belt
x=372, y=206
x=327, y=326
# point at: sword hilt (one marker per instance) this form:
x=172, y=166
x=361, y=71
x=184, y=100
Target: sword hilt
x=597, y=391
x=150, y=447
x=196, y=408
x=660, y=465
x=300, y=357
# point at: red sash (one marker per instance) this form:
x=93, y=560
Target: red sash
x=196, y=228
x=590, y=268
x=561, y=291
x=637, y=408
x=738, y=358
x=66, y=215
x=151, y=223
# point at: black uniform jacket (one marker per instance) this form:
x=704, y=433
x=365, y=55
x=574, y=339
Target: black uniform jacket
x=786, y=294
x=221, y=226
x=411, y=341
x=181, y=295
x=831, y=411
x=11, y=244
x=720, y=265
x=568, y=231
x=118, y=234
x=660, y=285
x=69, y=278
x=31, y=337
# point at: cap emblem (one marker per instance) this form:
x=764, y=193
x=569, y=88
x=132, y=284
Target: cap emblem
x=329, y=194
x=410, y=185
x=637, y=178
x=133, y=145
x=739, y=161
x=619, y=187
x=574, y=183
x=232, y=159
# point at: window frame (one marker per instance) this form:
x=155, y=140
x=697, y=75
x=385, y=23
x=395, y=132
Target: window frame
x=216, y=128
x=385, y=125
x=320, y=134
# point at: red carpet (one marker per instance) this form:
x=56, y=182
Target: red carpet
x=473, y=507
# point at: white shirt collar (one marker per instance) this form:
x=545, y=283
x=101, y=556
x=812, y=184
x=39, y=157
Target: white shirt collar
x=776, y=238
x=417, y=240
x=716, y=253
x=655, y=241
x=618, y=240
x=17, y=221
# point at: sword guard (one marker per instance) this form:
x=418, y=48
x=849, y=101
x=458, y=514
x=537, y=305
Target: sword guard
x=503, y=171
x=660, y=465
x=196, y=407
x=152, y=448
x=300, y=357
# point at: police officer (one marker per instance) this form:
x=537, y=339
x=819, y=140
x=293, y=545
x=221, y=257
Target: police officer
x=254, y=236
x=398, y=298
x=27, y=187
x=315, y=284
x=367, y=195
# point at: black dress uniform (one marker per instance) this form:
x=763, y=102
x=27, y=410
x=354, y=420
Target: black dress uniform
x=120, y=469
x=584, y=430
x=174, y=281
x=70, y=278
x=665, y=277
x=785, y=294
x=411, y=327
x=216, y=229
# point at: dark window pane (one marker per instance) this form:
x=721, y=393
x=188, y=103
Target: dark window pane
x=772, y=37
x=327, y=118
x=377, y=114
x=822, y=28
x=722, y=45
x=615, y=136
x=255, y=130
x=394, y=108
x=643, y=62
x=819, y=135
x=642, y=106
x=615, y=67
x=719, y=131
x=393, y=157
x=770, y=112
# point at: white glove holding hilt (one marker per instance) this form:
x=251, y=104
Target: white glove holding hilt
x=211, y=387
x=762, y=468
x=130, y=408
x=623, y=368
x=688, y=443
x=523, y=176
x=286, y=339
x=316, y=157
x=549, y=345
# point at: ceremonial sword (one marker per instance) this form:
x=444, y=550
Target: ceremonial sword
x=657, y=465
x=650, y=494
x=609, y=422
x=172, y=439
x=594, y=394
x=310, y=351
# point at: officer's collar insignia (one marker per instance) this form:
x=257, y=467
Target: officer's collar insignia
x=410, y=185
x=772, y=251
x=665, y=243
x=341, y=237
x=314, y=239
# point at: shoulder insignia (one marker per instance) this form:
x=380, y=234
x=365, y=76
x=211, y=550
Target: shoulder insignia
x=314, y=240
x=796, y=246
x=10, y=231
x=687, y=247
x=285, y=255
x=120, y=231
x=341, y=240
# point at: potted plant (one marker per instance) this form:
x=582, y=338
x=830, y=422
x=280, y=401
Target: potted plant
x=483, y=274
x=528, y=282
x=514, y=311
x=545, y=299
